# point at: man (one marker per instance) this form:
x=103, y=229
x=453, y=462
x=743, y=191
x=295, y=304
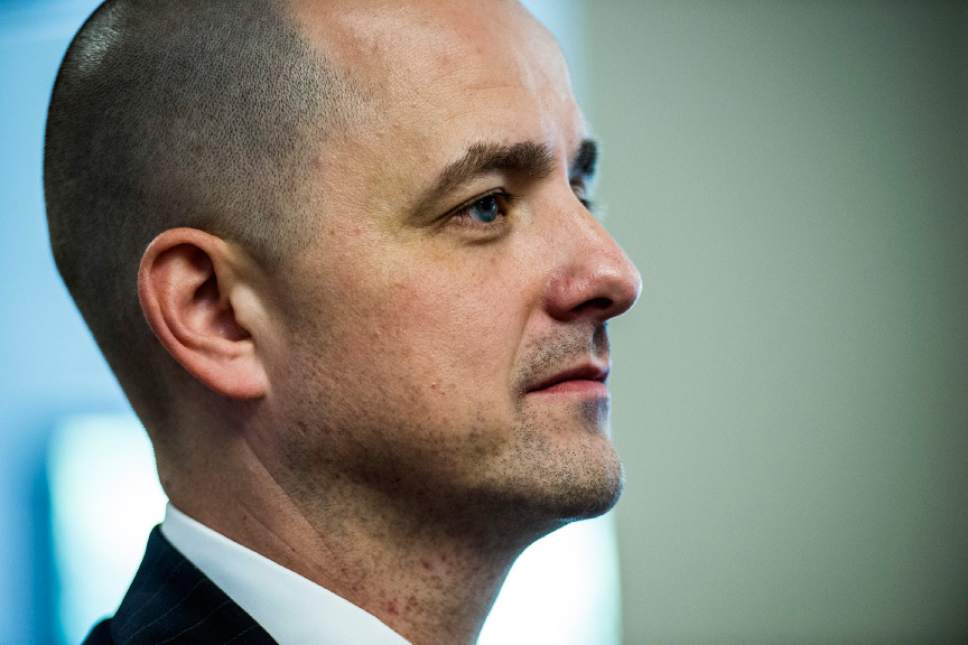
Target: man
x=340, y=257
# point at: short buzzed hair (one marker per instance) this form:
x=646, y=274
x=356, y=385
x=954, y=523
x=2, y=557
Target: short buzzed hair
x=167, y=113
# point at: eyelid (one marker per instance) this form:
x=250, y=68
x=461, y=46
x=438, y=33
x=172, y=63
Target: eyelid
x=505, y=200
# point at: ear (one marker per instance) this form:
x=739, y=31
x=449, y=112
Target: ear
x=194, y=296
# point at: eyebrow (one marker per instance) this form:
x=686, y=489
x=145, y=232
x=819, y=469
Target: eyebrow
x=528, y=159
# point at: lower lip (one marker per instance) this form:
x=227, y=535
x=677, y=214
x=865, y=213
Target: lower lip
x=575, y=386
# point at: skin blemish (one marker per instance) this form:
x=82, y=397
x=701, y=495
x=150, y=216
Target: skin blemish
x=425, y=564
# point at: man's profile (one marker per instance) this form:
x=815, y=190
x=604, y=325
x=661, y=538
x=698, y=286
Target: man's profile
x=340, y=257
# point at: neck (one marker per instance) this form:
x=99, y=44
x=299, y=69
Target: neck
x=430, y=576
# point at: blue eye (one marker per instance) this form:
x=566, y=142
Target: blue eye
x=484, y=212
x=486, y=209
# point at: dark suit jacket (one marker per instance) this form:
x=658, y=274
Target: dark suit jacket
x=171, y=601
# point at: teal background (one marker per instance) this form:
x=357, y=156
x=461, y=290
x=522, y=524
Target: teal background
x=791, y=392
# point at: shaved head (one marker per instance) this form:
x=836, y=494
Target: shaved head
x=170, y=113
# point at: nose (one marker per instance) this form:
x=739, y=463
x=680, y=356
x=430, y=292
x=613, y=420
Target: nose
x=594, y=278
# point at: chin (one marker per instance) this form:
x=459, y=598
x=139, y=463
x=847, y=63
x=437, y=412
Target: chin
x=591, y=497
x=564, y=484
x=586, y=474
x=559, y=466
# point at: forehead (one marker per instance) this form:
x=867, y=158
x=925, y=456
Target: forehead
x=386, y=41
x=445, y=74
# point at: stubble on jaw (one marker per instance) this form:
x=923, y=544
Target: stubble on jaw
x=570, y=477
x=551, y=462
x=556, y=351
x=563, y=449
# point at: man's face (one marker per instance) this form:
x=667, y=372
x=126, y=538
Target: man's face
x=419, y=321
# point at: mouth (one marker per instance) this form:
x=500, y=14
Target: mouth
x=588, y=379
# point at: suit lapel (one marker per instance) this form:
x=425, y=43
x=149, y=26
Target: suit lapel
x=171, y=601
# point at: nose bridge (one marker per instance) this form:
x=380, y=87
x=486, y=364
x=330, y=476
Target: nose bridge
x=593, y=275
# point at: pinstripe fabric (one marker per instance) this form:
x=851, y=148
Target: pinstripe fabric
x=171, y=601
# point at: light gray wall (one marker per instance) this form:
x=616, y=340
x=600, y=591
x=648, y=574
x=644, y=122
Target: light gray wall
x=791, y=393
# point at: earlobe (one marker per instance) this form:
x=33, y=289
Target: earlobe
x=185, y=285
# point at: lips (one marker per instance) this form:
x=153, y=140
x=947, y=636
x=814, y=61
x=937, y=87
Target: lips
x=586, y=373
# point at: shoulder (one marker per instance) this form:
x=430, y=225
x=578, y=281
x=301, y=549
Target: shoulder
x=100, y=635
x=171, y=601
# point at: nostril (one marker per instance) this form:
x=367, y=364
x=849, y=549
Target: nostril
x=599, y=304
x=596, y=286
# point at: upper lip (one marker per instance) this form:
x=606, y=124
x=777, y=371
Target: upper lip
x=585, y=371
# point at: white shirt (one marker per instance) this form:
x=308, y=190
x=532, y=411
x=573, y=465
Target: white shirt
x=290, y=608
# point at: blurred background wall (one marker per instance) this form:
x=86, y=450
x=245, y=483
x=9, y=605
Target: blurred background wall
x=50, y=365
x=791, y=393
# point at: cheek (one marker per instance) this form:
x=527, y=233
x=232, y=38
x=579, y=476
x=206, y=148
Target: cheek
x=461, y=330
x=412, y=371
x=434, y=328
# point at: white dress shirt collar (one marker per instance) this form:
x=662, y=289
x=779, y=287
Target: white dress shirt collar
x=290, y=608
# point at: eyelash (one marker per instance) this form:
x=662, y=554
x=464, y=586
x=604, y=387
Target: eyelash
x=579, y=188
x=505, y=200
x=462, y=213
